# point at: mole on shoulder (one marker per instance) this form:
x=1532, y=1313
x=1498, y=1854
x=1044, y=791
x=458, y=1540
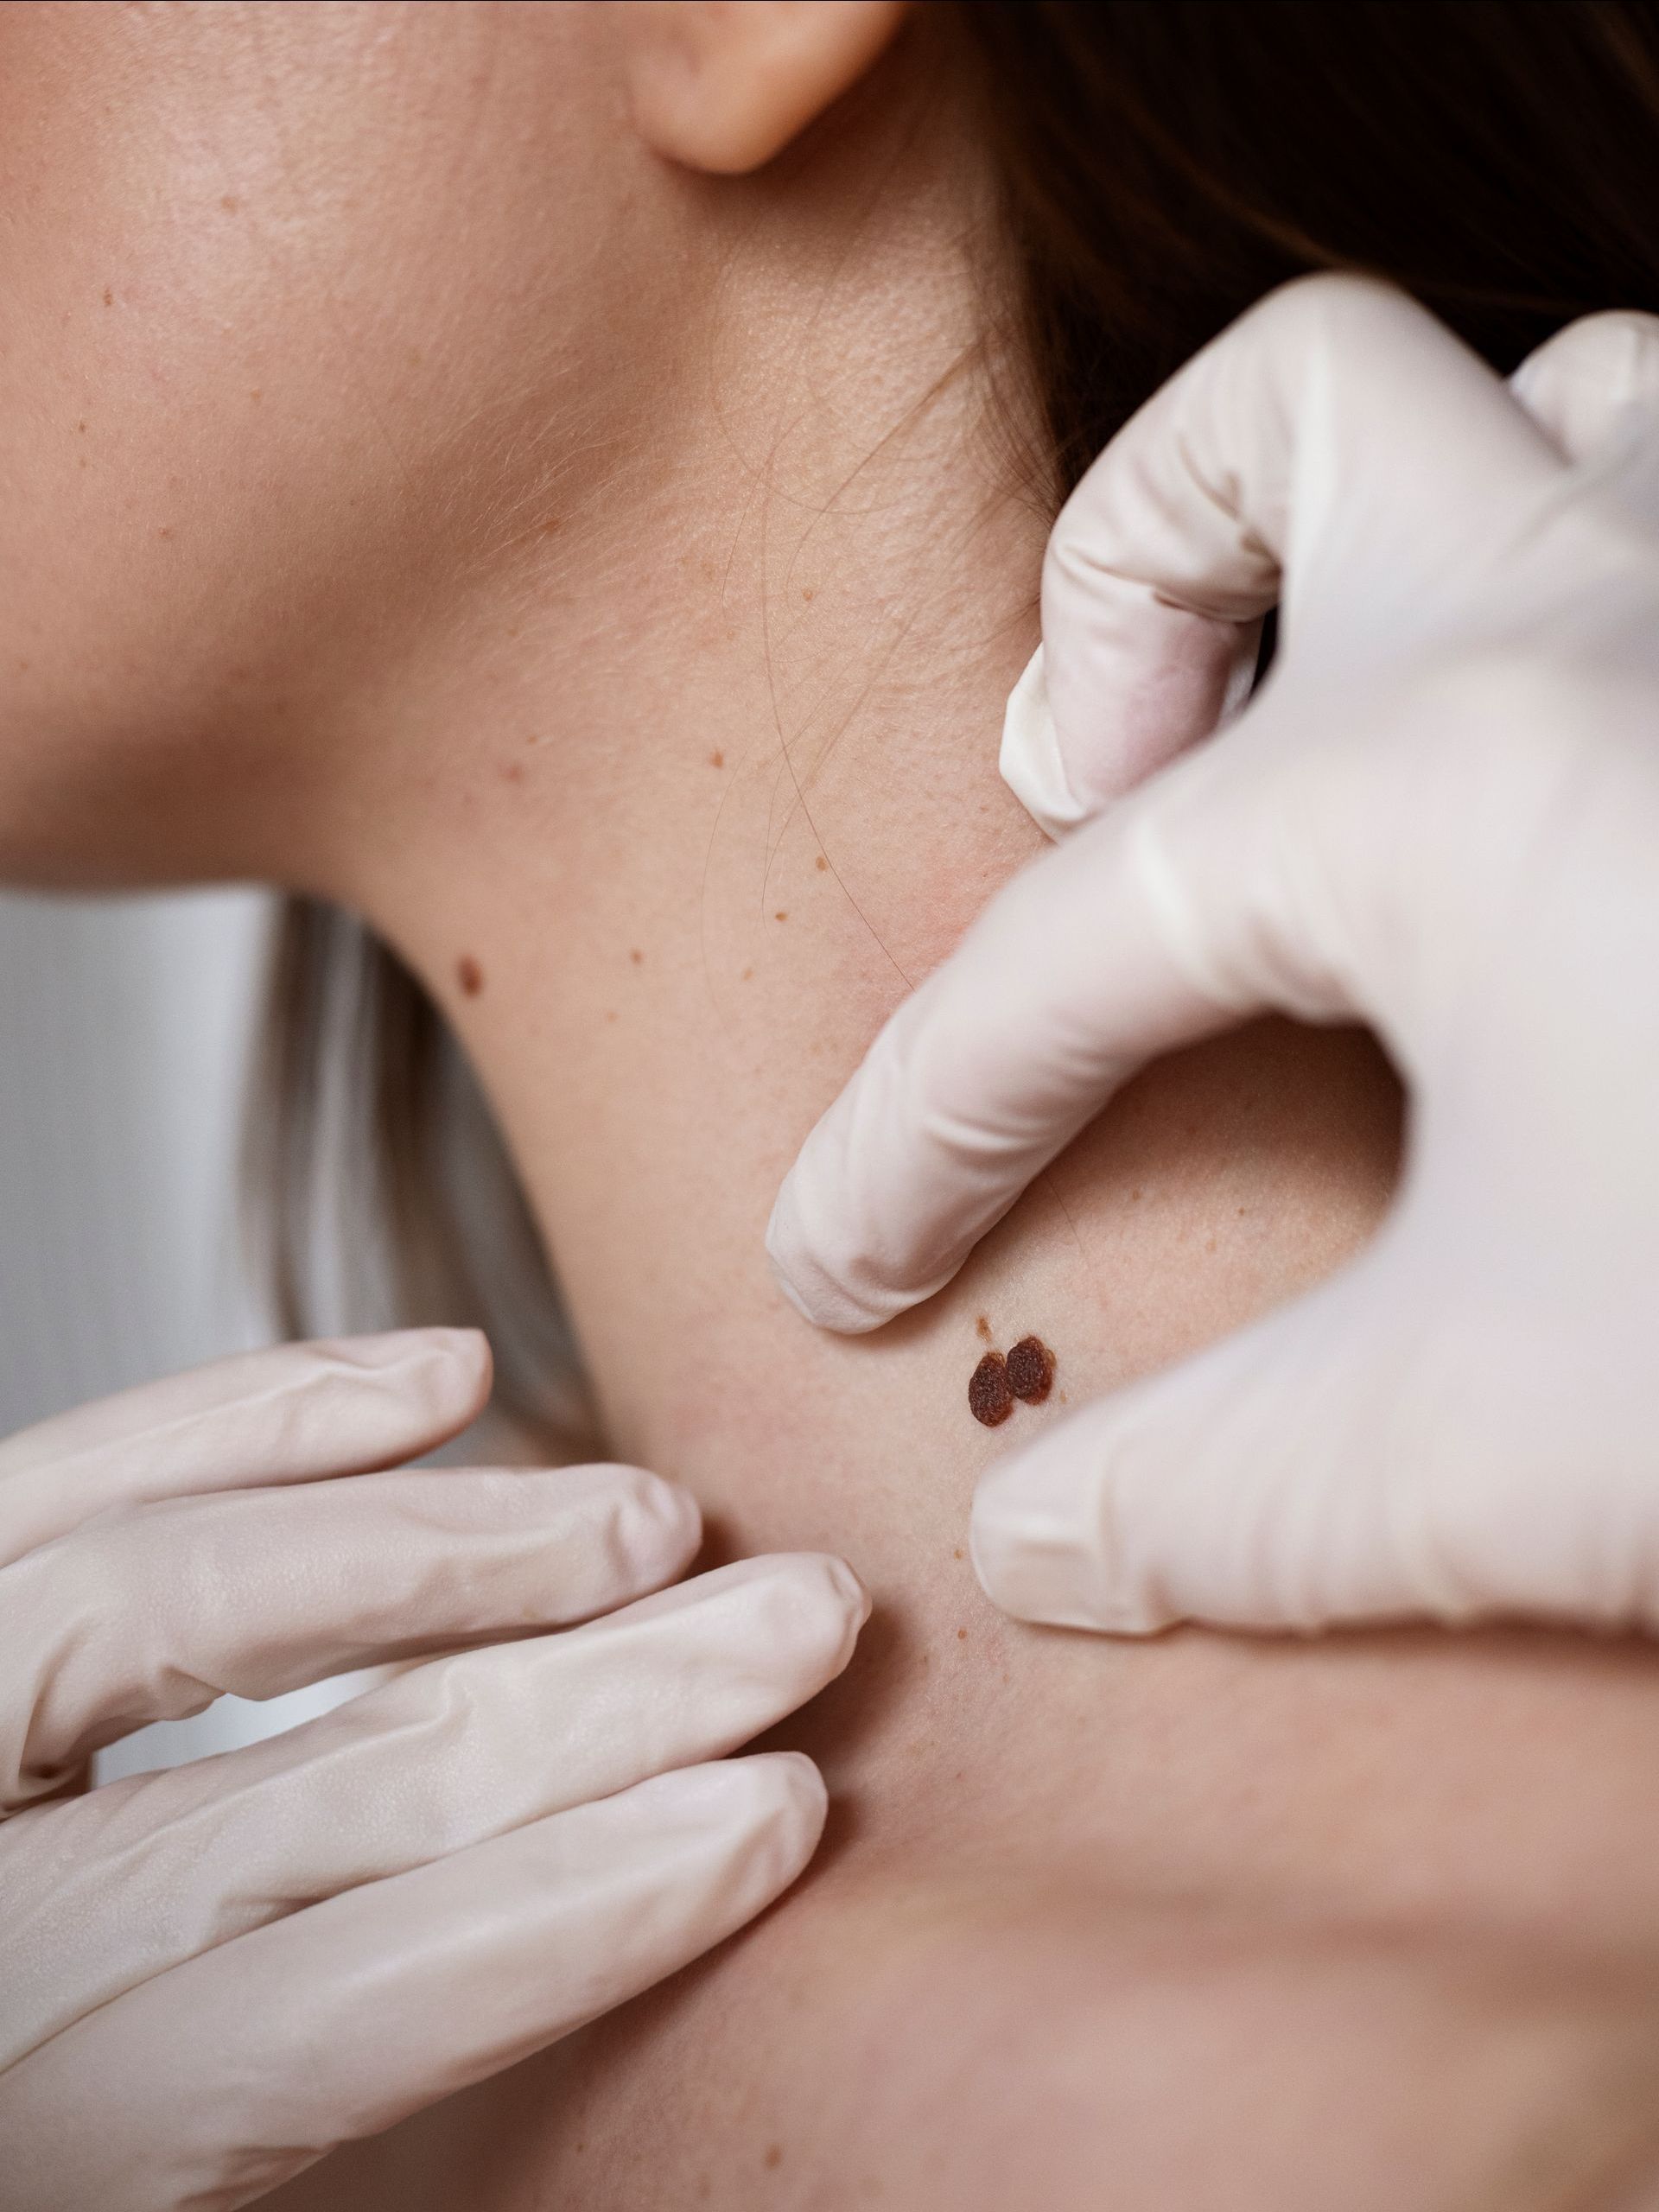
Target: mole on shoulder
x=469, y=975
x=989, y=1399
x=1031, y=1370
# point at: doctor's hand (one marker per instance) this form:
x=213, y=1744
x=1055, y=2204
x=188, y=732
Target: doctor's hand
x=209, y=1976
x=1439, y=816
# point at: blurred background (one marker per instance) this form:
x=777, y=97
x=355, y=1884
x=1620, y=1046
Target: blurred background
x=125, y=1029
x=124, y=1025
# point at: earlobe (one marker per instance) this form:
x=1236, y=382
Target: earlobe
x=724, y=84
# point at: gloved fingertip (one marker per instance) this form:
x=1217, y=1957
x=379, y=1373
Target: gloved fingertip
x=817, y=1295
x=466, y=1349
x=427, y=1382
x=659, y=1520
x=783, y=1255
x=782, y=1795
x=1043, y=1552
x=772, y=1806
x=849, y=1596
x=816, y=1604
x=853, y=1588
x=1030, y=760
x=469, y=1346
x=458, y=1367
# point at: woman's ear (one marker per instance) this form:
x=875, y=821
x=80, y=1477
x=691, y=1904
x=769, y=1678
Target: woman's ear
x=724, y=84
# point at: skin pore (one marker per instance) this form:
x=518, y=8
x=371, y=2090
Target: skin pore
x=606, y=577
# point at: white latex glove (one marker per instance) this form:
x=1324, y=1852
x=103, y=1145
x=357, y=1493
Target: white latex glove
x=211, y=1975
x=1439, y=816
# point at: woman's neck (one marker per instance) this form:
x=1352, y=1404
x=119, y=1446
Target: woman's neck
x=670, y=870
x=670, y=836
x=669, y=884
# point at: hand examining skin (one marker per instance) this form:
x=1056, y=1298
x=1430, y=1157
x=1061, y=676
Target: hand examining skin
x=209, y=1976
x=1439, y=816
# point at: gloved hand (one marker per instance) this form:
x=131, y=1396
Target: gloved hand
x=1439, y=816
x=209, y=1976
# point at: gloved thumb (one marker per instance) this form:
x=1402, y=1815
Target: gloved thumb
x=1259, y=1485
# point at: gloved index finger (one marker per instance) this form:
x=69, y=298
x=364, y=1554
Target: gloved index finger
x=1334, y=441
x=1063, y=987
x=288, y=1414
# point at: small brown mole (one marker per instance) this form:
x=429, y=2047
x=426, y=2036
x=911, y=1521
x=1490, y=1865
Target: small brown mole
x=989, y=1399
x=1031, y=1370
x=982, y=1328
x=469, y=975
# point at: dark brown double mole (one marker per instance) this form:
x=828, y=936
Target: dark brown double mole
x=1027, y=1373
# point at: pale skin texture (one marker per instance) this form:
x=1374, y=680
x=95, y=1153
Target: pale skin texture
x=602, y=572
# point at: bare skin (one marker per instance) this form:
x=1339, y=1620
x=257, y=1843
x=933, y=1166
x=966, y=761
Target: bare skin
x=661, y=741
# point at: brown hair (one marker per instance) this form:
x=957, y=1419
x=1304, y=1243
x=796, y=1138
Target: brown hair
x=1163, y=163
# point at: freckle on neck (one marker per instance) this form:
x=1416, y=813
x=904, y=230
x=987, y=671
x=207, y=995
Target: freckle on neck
x=469, y=975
